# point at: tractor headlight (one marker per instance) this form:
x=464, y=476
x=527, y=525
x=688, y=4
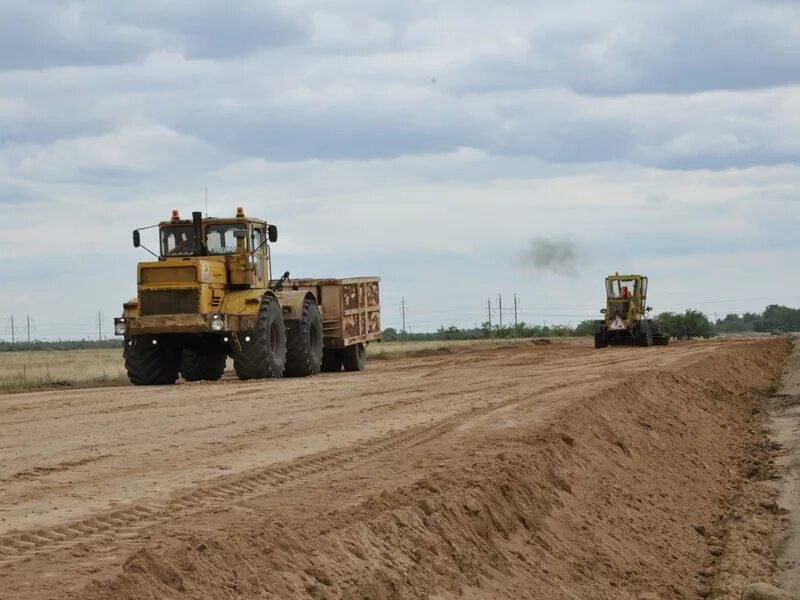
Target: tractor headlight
x=217, y=324
x=119, y=327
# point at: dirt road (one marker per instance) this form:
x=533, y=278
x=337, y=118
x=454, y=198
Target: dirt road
x=520, y=471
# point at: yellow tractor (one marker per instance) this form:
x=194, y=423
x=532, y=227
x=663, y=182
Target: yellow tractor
x=209, y=294
x=626, y=315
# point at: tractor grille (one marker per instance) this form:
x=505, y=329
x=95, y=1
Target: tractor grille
x=169, y=302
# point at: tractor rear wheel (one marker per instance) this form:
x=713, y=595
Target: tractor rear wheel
x=645, y=333
x=354, y=358
x=331, y=360
x=150, y=361
x=304, y=342
x=261, y=353
x=198, y=366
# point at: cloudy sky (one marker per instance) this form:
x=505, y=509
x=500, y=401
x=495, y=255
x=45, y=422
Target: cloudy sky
x=431, y=143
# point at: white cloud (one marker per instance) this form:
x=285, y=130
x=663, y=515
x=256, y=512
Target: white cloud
x=426, y=143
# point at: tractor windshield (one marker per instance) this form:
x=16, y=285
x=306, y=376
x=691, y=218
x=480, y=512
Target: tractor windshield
x=177, y=240
x=221, y=239
x=622, y=288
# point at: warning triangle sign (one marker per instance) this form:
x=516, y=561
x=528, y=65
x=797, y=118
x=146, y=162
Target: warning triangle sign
x=617, y=323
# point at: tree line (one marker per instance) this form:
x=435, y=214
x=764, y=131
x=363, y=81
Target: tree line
x=686, y=325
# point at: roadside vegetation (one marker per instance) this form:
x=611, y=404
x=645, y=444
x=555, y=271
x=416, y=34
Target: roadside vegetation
x=686, y=325
x=20, y=371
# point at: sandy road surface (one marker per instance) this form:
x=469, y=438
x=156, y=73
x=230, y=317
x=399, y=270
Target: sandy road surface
x=89, y=477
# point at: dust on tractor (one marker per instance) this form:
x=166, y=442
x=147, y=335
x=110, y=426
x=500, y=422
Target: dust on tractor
x=626, y=313
x=210, y=295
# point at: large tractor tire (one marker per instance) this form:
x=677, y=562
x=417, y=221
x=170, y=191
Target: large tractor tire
x=331, y=360
x=645, y=333
x=354, y=358
x=304, y=342
x=600, y=340
x=198, y=366
x=262, y=352
x=150, y=361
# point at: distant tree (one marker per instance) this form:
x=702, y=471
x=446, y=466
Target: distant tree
x=390, y=334
x=586, y=327
x=690, y=324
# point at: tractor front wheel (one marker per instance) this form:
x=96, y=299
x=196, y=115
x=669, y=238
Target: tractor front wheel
x=600, y=340
x=150, y=361
x=198, y=366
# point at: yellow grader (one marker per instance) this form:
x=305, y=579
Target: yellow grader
x=626, y=315
x=210, y=294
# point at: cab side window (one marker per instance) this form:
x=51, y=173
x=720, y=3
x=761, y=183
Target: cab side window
x=258, y=237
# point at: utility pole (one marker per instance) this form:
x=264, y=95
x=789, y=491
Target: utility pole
x=515, y=309
x=489, y=306
x=99, y=326
x=500, y=310
x=29, y=329
x=403, y=308
x=13, y=340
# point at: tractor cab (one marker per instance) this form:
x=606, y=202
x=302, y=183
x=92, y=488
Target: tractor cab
x=626, y=294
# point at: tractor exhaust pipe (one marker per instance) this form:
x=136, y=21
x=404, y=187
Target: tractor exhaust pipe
x=199, y=243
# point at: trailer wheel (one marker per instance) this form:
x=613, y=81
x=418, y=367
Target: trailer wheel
x=304, y=342
x=354, y=358
x=150, y=361
x=263, y=350
x=331, y=360
x=197, y=366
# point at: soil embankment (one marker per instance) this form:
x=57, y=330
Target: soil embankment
x=514, y=472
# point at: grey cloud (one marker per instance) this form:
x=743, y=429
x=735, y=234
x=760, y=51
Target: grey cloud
x=48, y=34
x=691, y=47
x=13, y=193
x=213, y=29
x=367, y=131
x=557, y=256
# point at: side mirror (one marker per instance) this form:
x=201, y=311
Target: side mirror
x=272, y=233
x=603, y=311
x=137, y=239
x=240, y=234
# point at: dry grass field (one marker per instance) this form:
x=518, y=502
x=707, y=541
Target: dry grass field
x=21, y=371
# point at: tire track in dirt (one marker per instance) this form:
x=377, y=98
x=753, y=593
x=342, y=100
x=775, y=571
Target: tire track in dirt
x=126, y=522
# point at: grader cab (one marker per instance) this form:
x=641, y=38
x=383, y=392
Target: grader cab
x=210, y=295
x=626, y=315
